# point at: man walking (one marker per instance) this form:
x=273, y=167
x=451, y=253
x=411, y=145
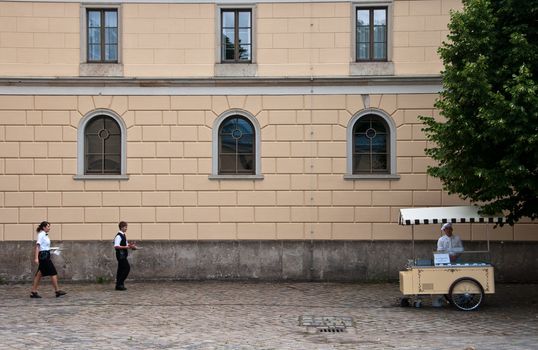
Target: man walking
x=122, y=247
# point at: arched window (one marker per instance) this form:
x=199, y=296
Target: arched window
x=371, y=149
x=371, y=145
x=101, y=146
x=236, y=146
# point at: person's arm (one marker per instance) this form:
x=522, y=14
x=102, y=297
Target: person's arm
x=38, y=246
x=117, y=242
x=36, y=255
x=441, y=245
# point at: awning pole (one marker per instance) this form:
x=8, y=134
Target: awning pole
x=487, y=238
x=413, y=240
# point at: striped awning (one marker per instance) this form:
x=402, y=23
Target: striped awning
x=438, y=215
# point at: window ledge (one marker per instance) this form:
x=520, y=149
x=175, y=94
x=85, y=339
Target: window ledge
x=372, y=177
x=101, y=177
x=101, y=70
x=371, y=68
x=235, y=177
x=236, y=69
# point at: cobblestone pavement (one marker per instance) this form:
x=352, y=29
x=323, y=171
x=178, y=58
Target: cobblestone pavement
x=248, y=316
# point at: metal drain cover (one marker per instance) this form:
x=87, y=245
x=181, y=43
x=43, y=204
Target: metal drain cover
x=331, y=329
x=327, y=324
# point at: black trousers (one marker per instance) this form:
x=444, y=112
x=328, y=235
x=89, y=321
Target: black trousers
x=123, y=271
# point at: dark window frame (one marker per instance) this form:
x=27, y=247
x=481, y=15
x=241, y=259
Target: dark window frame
x=102, y=35
x=237, y=155
x=387, y=145
x=371, y=41
x=117, y=153
x=236, y=28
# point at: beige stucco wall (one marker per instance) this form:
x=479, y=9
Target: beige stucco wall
x=180, y=40
x=169, y=195
x=419, y=29
x=39, y=39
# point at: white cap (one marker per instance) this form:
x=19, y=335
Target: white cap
x=447, y=225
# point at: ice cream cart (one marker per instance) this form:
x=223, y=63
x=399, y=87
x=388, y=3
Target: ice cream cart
x=463, y=284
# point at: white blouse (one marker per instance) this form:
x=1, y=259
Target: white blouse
x=43, y=240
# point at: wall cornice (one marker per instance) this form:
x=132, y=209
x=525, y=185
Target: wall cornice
x=220, y=85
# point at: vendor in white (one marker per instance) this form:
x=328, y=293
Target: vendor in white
x=449, y=242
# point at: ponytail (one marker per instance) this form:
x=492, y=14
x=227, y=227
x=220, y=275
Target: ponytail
x=41, y=226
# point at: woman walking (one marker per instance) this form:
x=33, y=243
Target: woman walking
x=42, y=257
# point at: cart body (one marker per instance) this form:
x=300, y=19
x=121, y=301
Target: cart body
x=427, y=280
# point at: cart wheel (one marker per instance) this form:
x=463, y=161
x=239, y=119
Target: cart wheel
x=466, y=294
x=417, y=303
x=405, y=302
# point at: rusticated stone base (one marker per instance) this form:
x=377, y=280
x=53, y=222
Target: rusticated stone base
x=257, y=260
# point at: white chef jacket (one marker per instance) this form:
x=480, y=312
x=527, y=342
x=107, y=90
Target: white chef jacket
x=451, y=245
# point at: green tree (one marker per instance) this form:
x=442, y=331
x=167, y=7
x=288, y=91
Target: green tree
x=486, y=140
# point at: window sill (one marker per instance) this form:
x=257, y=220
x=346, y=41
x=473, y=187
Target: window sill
x=371, y=68
x=235, y=177
x=372, y=177
x=101, y=70
x=101, y=177
x=236, y=69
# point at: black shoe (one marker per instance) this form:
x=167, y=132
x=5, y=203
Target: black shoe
x=120, y=288
x=34, y=295
x=59, y=293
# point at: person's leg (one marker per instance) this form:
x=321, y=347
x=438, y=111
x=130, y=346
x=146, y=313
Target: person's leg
x=127, y=270
x=54, y=280
x=35, y=285
x=438, y=300
x=123, y=271
x=57, y=290
x=118, y=274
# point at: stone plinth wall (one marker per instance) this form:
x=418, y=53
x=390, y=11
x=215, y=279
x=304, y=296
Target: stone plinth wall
x=275, y=260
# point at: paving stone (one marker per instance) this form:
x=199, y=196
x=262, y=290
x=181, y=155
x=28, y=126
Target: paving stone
x=258, y=316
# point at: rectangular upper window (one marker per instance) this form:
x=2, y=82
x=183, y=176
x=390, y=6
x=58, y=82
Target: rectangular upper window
x=371, y=34
x=102, y=39
x=236, y=35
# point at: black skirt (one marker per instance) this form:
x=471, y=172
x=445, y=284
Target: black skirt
x=45, y=264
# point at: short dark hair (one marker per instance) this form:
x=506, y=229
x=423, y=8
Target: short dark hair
x=42, y=225
x=122, y=224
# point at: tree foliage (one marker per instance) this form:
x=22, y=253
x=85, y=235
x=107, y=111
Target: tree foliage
x=486, y=147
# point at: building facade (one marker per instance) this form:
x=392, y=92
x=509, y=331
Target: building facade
x=239, y=139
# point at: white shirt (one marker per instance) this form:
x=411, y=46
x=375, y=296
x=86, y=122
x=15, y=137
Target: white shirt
x=43, y=240
x=117, y=240
x=450, y=244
